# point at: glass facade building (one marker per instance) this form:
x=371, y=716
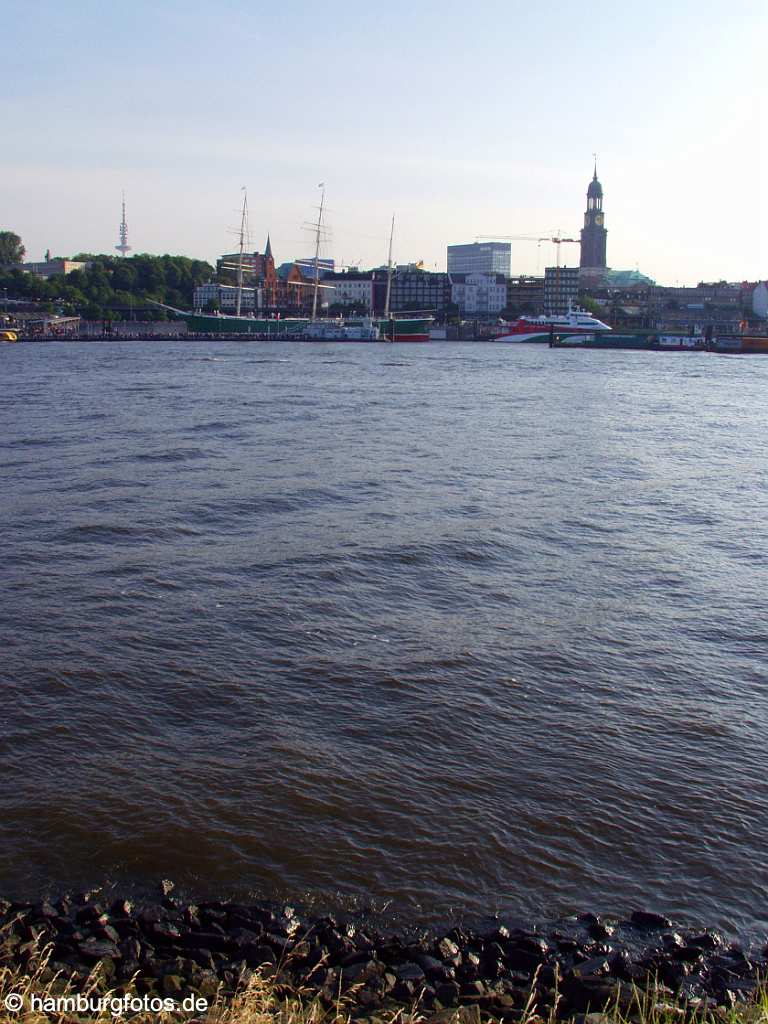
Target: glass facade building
x=480, y=258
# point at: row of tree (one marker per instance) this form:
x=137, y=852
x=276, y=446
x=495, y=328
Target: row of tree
x=110, y=287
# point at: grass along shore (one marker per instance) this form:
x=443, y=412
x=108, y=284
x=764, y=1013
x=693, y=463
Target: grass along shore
x=46, y=998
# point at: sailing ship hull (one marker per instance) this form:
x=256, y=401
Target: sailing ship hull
x=405, y=330
x=259, y=327
x=262, y=328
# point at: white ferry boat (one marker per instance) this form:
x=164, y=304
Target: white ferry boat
x=541, y=328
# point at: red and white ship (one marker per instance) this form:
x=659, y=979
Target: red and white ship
x=542, y=328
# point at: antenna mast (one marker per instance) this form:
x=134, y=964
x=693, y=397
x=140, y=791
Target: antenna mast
x=318, y=229
x=123, y=246
x=389, y=268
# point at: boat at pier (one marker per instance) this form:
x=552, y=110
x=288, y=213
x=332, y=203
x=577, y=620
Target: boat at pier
x=539, y=329
x=669, y=342
x=644, y=342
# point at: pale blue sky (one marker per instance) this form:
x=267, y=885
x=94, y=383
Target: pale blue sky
x=465, y=119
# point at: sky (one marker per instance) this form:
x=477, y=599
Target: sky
x=462, y=119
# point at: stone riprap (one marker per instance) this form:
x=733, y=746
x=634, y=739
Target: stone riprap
x=174, y=948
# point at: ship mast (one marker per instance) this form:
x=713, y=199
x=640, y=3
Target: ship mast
x=243, y=223
x=389, y=268
x=318, y=229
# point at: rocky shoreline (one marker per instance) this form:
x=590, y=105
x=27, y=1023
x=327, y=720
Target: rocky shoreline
x=172, y=948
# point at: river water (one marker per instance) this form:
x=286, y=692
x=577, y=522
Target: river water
x=450, y=629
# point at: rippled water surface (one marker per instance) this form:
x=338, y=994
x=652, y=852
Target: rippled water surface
x=463, y=627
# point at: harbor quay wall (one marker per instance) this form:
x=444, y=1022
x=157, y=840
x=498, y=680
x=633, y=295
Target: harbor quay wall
x=134, y=328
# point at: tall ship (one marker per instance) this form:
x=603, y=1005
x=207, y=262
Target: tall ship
x=540, y=329
x=391, y=327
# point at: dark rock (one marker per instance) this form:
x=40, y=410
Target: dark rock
x=121, y=908
x=588, y=919
x=108, y=934
x=257, y=954
x=363, y=973
x=619, y=964
x=447, y=949
x=737, y=955
x=357, y=956
x=594, y=967
x=202, y=957
x=548, y=975
x=534, y=944
x=567, y=945
x=585, y=994
x=212, y=913
x=447, y=993
x=673, y=973
x=163, y=932
x=522, y=960
x=647, y=919
x=207, y=940
x=244, y=937
x=46, y=910
x=410, y=972
x=149, y=916
x=597, y=949
x=689, y=954
x=388, y=981
x=705, y=940
x=130, y=948
x=435, y=970
x=192, y=916
x=93, y=949
x=91, y=913
x=172, y=985
x=473, y=990
x=468, y=969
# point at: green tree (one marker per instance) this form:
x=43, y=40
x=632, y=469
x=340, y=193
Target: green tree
x=591, y=305
x=11, y=248
x=452, y=313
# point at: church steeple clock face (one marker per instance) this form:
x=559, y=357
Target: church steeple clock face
x=599, y=219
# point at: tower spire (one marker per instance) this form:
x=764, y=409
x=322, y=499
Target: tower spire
x=594, y=234
x=122, y=246
x=268, y=249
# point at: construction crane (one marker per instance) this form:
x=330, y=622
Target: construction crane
x=557, y=240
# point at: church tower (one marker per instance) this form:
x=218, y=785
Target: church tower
x=593, y=234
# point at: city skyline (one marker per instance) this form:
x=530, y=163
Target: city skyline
x=464, y=127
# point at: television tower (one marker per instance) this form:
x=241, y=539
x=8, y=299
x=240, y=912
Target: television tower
x=123, y=246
